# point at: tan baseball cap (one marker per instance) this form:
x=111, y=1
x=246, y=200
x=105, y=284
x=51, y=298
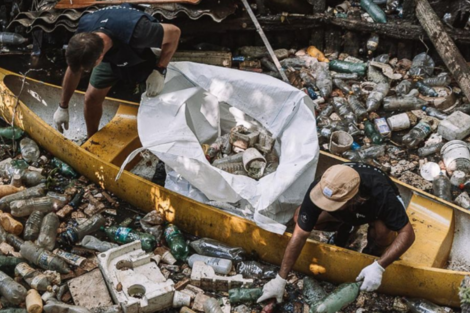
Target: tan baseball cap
x=338, y=185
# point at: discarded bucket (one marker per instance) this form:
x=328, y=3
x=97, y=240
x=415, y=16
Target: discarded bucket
x=181, y=299
x=340, y=142
x=463, y=200
x=458, y=178
x=254, y=163
x=430, y=170
x=456, y=156
x=399, y=122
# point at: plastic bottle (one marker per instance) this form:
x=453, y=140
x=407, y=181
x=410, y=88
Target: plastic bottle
x=29, y=150
x=403, y=88
x=441, y=187
x=426, y=90
x=220, y=266
x=93, y=243
x=339, y=83
x=48, y=234
x=77, y=199
x=11, y=39
x=375, y=98
x=372, y=43
x=340, y=297
x=176, y=242
x=9, y=167
x=374, y=11
x=70, y=258
x=75, y=234
x=34, y=278
x=323, y=80
x=64, y=168
x=365, y=153
x=382, y=127
x=211, y=247
x=348, y=67
x=345, y=75
x=126, y=235
x=43, y=258
x=243, y=295
x=422, y=306
x=32, y=178
x=417, y=134
x=55, y=306
x=10, y=224
x=22, y=208
x=312, y=291
x=372, y=133
x=33, y=226
x=438, y=81
x=33, y=301
x=13, y=292
x=357, y=107
x=37, y=191
x=3, y=234
x=428, y=150
x=212, y=306
x=14, y=241
x=6, y=190
x=343, y=110
x=406, y=103
x=59, y=196
x=11, y=132
x=8, y=263
x=253, y=269
x=430, y=111
x=422, y=65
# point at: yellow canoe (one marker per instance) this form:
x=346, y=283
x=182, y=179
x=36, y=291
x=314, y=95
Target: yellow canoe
x=420, y=272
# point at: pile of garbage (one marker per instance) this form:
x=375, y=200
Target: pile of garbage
x=244, y=151
x=66, y=245
x=406, y=117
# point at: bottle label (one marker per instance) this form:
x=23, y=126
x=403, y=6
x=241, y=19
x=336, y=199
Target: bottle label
x=70, y=257
x=170, y=231
x=44, y=259
x=37, y=280
x=382, y=126
x=424, y=127
x=122, y=233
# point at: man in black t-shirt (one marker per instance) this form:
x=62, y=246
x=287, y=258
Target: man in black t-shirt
x=114, y=43
x=349, y=195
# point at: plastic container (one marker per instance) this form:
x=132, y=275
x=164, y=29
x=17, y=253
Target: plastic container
x=401, y=121
x=43, y=258
x=220, y=266
x=340, y=297
x=429, y=150
x=55, y=306
x=430, y=170
x=64, y=168
x=438, y=81
x=423, y=306
x=75, y=234
x=93, y=243
x=417, y=134
x=48, y=233
x=422, y=65
x=342, y=85
x=11, y=132
x=33, y=226
x=29, y=150
x=340, y=142
x=357, y=107
x=458, y=178
x=372, y=133
x=372, y=43
x=176, y=242
x=348, y=67
x=22, y=208
x=375, y=98
x=435, y=113
x=211, y=247
x=441, y=187
x=32, y=178
x=323, y=82
x=212, y=306
x=253, y=269
x=127, y=235
x=406, y=103
x=342, y=108
x=33, y=277
x=456, y=156
x=382, y=127
x=37, y=191
x=254, y=163
x=403, y=88
x=377, y=14
x=10, y=290
x=15, y=241
x=425, y=89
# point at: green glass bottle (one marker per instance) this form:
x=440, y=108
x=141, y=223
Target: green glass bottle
x=176, y=242
x=377, y=14
x=64, y=168
x=11, y=132
x=127, y=235
x=372, y=133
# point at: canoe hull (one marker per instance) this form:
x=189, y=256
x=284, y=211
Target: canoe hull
x=341, y=265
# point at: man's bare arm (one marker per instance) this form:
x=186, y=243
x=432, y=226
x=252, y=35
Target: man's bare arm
x=69, y=85
x=404, y=240
x=293, y=249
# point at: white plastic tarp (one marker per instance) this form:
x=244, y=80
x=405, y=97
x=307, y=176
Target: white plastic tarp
x=201, y=102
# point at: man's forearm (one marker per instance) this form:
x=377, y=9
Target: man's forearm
x=293, y=249
x=69, y=85
x=403, y=242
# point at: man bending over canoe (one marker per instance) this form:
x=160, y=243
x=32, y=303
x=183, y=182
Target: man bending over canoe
x=346, y=196
x=115, y=44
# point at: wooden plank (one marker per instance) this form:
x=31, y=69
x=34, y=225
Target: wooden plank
x=77, y=4
x=444, y=44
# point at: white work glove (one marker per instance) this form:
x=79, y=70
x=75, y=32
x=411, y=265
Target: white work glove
x=155, y=83
x=372, y=276
x=274, y=289
x=61, y=119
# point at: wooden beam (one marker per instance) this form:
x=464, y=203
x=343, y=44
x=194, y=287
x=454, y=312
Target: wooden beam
x=444, y=44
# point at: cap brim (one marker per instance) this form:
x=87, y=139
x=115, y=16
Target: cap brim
x=328, y=205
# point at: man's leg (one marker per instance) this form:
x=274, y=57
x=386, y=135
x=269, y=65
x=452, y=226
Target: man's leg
x=171, y=37
x=94, y=108
x=379, y=238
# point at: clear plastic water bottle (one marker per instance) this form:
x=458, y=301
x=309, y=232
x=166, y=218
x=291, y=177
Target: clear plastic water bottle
x=425, y=89
x=22, y=208
x=212, y=306
x=343, y=86
x=403, y=88
x=29, y=150
x=428, y=150
x=430, y=111
x=372, y=43
x=43, y=258
x=32, y=178
x=37, y=191
x=75, y=234
x=176, y=242
x=375, y=98
x=13, y=292
x=323, y=80
x=438, y=81
x=357, y=107
x=342, y=109
x=405, y=103
x=417, y=134
x=33, y=225
x=48, y=233
x=442, y=187
x=220, y=266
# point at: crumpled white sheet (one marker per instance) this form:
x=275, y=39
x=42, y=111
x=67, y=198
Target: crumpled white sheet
x=201, y=102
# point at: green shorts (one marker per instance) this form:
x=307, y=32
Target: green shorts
x=103, y=76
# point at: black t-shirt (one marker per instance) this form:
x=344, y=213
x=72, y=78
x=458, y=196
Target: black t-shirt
x=383, y=202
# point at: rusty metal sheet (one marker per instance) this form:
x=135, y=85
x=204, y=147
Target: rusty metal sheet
x=75, y=4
